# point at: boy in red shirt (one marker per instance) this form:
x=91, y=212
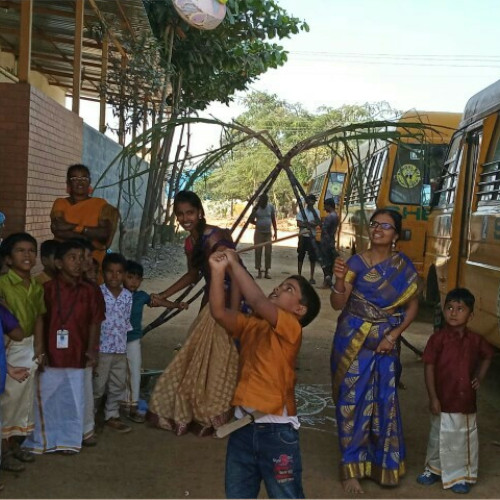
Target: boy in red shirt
x=71, y=333
x=267, y=448
x=456, y=360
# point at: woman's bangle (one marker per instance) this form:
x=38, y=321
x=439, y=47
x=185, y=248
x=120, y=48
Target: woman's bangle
x=334, y=290
x=389, y=339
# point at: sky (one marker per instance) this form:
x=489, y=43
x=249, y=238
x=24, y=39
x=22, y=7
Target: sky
x=430, y=55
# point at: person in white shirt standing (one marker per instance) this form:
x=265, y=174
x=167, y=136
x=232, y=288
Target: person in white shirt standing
x=306, y=241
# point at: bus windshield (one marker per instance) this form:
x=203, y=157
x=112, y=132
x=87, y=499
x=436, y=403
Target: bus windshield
x=416, y=165
x=334, y=188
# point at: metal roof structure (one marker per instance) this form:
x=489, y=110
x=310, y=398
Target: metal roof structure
x=55, y=26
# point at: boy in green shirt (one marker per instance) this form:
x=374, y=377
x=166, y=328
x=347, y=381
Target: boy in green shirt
x=23, y=296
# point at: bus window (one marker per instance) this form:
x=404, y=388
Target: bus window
x=317, y=185
x=334, y=188
x=489, y=185
x=407, y=175
x=417, y=170
x=446, y=192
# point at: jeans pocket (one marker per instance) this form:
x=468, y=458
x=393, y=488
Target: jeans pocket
x=290, y=436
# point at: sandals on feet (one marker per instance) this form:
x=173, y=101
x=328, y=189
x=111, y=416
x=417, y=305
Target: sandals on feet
x=23, y=456
x=10, y=464
x=90, y=441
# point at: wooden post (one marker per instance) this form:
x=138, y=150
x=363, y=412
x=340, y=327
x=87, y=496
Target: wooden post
x=104, y=76
x=77, y=61
x=121, y=120
x=26, y=21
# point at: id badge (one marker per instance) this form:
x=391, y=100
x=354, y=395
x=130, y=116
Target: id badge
x=62, y=339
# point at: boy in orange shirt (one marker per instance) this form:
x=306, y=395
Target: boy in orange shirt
x=267, y=448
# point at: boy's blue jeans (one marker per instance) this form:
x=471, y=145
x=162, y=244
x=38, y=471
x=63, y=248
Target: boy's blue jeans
x=268, y=452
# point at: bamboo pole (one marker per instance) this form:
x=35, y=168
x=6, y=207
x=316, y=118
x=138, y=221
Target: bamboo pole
x=272, y=242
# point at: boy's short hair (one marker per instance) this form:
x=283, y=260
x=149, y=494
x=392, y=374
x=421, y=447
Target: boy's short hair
x=114, y=258
x=134, y=267
x=329, y=202
x=461, y=295
x=48, y=248
x=8, y=243
x=65, y=246
x=84, y=243
x=310, y=299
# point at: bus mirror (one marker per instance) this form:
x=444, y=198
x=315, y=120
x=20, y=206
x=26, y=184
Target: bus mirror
x=426, y=195
x=405, y=235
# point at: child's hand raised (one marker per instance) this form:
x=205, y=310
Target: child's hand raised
x=232, y=256
x=181, y=305
x=218, y=261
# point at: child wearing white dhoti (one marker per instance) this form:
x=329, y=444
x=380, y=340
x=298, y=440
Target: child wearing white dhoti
x=456, y=360
x=71, y=333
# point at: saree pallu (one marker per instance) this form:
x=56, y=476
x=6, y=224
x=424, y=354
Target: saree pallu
x=365, y=383
x=195, y=390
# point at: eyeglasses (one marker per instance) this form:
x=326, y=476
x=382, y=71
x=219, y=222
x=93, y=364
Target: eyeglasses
x=77, y=179
x=384, y=225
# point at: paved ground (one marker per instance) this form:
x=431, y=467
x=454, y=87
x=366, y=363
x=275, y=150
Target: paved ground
x=150, y=463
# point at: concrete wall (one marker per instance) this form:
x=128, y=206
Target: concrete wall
x=99, y=152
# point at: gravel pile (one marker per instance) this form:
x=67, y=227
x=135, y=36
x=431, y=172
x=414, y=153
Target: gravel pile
x=166, y=260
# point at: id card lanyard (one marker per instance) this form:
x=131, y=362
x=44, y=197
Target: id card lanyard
x=63, y=333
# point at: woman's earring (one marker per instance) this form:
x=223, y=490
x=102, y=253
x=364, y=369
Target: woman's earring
x=200, y=216
x=393, y=244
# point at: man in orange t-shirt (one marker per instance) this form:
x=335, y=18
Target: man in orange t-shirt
x=268, y=448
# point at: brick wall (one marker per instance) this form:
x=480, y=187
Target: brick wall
x=39, y=139
x=14, y=132
x=55, y=143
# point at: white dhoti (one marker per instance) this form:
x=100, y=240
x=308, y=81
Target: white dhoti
x=17, y=401
x=59, y=411
x=453, y=448
x=89, y=415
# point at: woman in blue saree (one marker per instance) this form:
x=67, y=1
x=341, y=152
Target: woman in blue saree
x=377, y=291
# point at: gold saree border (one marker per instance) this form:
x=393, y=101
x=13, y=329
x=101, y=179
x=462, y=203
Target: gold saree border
x=383, y=476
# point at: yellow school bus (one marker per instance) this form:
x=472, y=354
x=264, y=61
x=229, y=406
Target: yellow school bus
x=399, y=175
x=463, y=238
x=327, y=182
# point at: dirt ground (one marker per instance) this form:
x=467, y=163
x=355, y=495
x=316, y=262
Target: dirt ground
x=151, y=463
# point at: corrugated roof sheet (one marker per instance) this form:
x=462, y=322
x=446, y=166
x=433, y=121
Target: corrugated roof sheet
x=53, y=33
